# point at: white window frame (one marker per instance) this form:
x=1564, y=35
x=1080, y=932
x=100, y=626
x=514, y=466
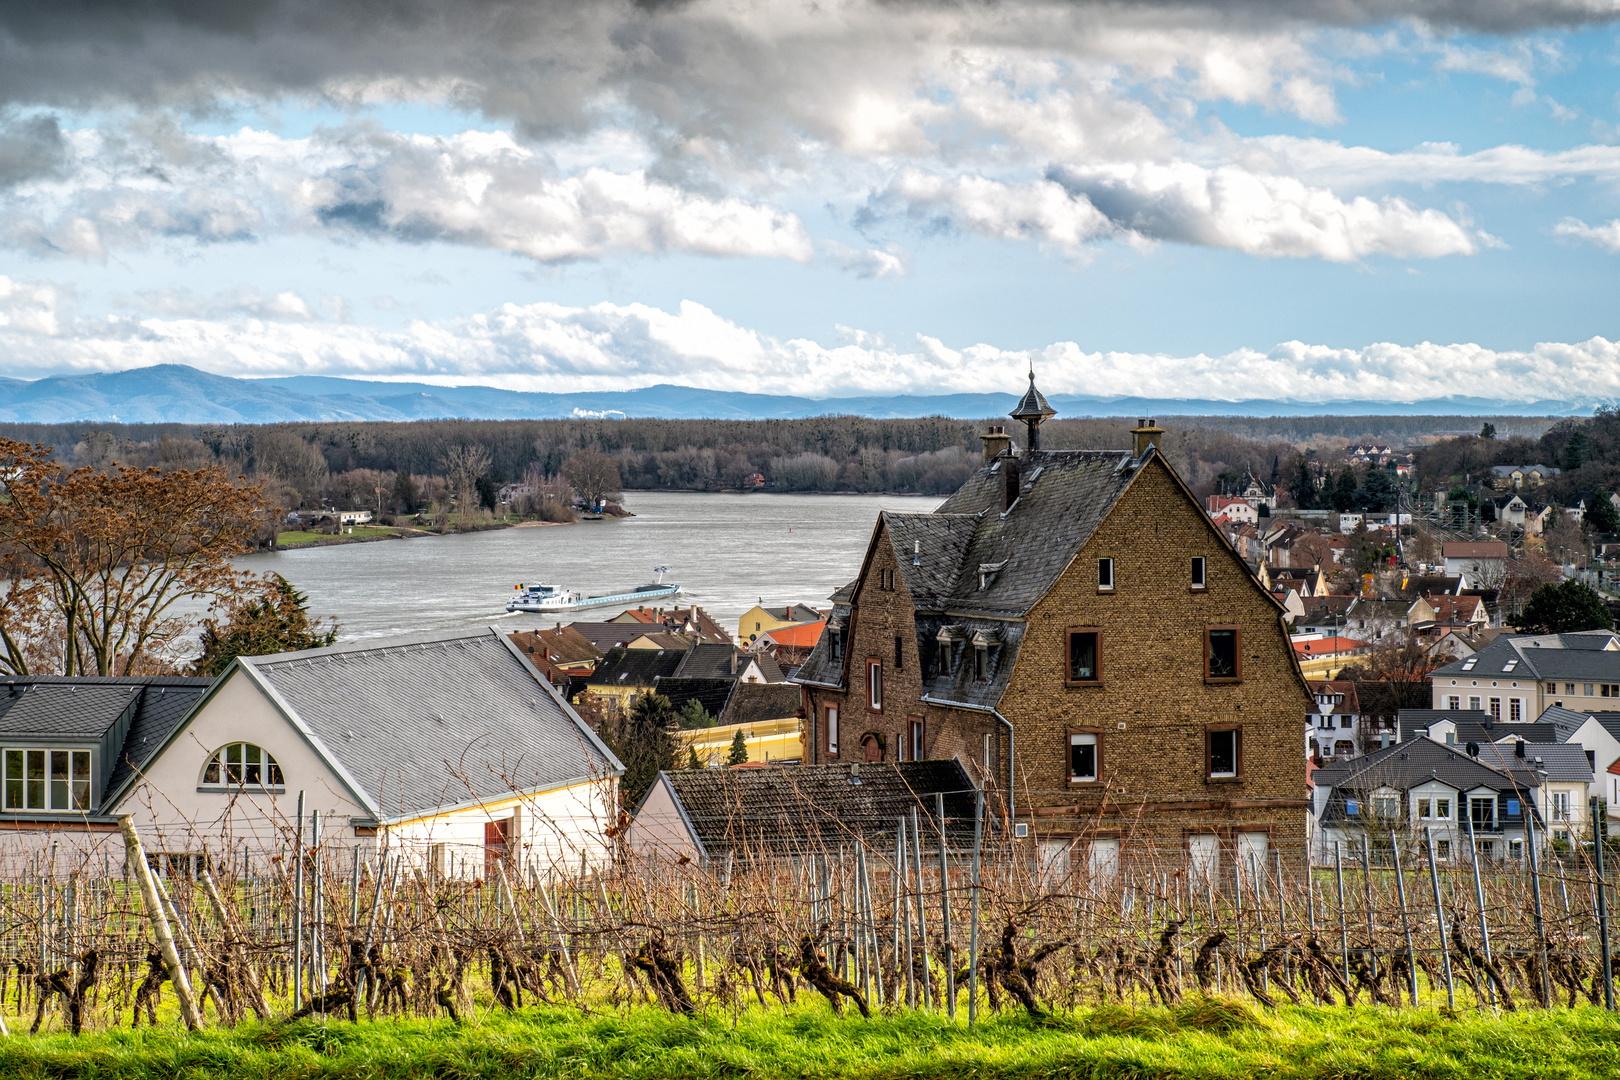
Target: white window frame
x=874, y=685
x=832, y=729
x=271, y=776
x=76, y=781
x=1105, y=568
x=1083, y=738
x=1200, y=573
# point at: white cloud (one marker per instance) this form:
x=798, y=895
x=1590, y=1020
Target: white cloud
x=623, y=346
x=1185, y=203
x=1605, y=236
x=476, y=188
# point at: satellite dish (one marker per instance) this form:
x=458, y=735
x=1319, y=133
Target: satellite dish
x=1473, y=749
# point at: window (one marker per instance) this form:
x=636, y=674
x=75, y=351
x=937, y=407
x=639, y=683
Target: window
x=1514, y=710
x=1200, y=570
x=1496, y=708
x=1552, y=688
x=916, y=739
x=1611, y=689
x=1473, y=704
x=1482, y=811
x=1387, y=807
x=1515, y=849
x=1082, y=757
x=1085, y=656
x=1442, y=808
x=1560, y=806
x=989, y=752
x=874, y=685
x=237, y=764
x=1345, y=721
x=1424, y=806
x=1442, y=849
x=1588, y=689
x=981, y=663
x=47, y=779
x=898, y=653
x=832, y=729
x=1223, y=660
x=1569, y=688
x=1105, y=575
x=1225, y=753
x=1454, y=703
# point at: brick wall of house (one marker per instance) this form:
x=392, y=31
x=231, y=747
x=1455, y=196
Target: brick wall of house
x=1155, y=786
x=1153, y=772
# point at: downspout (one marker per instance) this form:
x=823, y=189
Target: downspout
x=1011, y=743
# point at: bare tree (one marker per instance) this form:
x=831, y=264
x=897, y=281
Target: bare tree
x=594, y=475
x=464, y=465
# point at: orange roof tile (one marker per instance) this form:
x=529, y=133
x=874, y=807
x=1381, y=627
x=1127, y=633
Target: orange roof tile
x=1328, y=646
x=799, y=635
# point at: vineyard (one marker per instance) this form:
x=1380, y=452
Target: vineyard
x=935, y=917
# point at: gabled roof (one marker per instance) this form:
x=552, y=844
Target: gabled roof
x=417, y=724
x=635, y=667
x=564, y=646
x=712, y=694
x=1474, y=549
x=708, y=660
x=1404, y=765
x=605, y=635
x=817, y=805
x=1589, y=655
x=1563, y=763
x=1476, y=725
x=754, y=703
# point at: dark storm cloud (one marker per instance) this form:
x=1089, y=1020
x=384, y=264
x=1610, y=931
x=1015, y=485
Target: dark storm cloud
x=30, y=148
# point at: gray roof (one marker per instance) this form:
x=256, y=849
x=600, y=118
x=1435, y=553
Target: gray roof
x=635, y=667
x=1564, y=763
x=1405, y=765
x=1588, y=655
x=164, y=704
x=1572, y=719
x=753, y=703
x=1476, y=725
x=429, y=721
x=64, y=711
x=711, y=660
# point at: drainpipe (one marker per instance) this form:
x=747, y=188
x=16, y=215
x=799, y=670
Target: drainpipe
x=1011, y=743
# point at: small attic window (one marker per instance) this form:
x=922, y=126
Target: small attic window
x=1511, y=664
x=1468, y=664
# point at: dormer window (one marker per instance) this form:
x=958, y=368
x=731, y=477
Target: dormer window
x=981, y=663
x=242, y=765
x=1511, y=664
x=1468, y=664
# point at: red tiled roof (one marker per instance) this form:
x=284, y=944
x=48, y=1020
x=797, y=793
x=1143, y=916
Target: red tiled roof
x=1328, y=646
x=1614, y=766
x=799, y=635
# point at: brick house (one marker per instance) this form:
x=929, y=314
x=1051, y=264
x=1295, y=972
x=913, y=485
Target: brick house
x=1072, y=629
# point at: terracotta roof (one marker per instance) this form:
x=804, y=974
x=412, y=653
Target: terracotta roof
x=1614, y=766
x=799, y=635
x=1332, y=646
x=563, y=646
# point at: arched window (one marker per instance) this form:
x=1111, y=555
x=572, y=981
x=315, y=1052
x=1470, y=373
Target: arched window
x=239, y=763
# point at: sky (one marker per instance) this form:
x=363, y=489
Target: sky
x=1313, y=201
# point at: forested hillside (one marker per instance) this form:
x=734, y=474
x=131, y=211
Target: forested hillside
x=1585, y=449
x=311, y=464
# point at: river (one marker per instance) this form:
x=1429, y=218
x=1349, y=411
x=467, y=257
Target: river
x=726, y=551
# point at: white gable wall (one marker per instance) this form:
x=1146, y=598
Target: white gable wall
x=659, y=830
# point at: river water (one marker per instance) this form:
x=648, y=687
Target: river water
x=726, y=551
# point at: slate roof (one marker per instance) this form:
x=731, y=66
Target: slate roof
x=635, y=667
x=66, y=711
x=755, y=703
x=1404, y=765
x=1564, y=763
x=1585, y=656
x=607, y=635
x=1571, y=719
x=710, y=660
x=817, y=804
x=1475, y=725
x=429, y=721
x=43, y=709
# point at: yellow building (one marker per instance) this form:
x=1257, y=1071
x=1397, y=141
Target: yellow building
x=760, y=619
x=768, y=741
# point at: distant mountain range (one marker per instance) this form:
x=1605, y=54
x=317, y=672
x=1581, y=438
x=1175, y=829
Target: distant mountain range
x=174, y=393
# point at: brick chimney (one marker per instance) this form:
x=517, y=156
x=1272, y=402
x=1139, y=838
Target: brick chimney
x=1147, y=433
x=996, y=440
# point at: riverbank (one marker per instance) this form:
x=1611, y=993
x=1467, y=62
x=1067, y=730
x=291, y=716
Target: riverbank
x=1206, y=1040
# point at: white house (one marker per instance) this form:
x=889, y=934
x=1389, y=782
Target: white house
x=449, y=748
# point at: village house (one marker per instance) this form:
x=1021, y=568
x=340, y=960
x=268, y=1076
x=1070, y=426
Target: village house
x=1072, y=629
x=692, y=621
x=1232, y=508
x=790, y=645
x=1424, y=790
x=767, y=714
x=1435, y=616
x=1325, y=657
x=1519, y=477
x=1334, y=722
x=760, y=619
x=561, y=654
x=1517, y=677
x=625, y=675
x=1483, y=562
x=450, y=748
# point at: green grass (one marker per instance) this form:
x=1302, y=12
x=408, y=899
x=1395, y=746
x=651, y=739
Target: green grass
x=300, y=536
x=1214, y=1039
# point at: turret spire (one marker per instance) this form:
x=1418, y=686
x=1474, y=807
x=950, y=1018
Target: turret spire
x=1033, y=411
